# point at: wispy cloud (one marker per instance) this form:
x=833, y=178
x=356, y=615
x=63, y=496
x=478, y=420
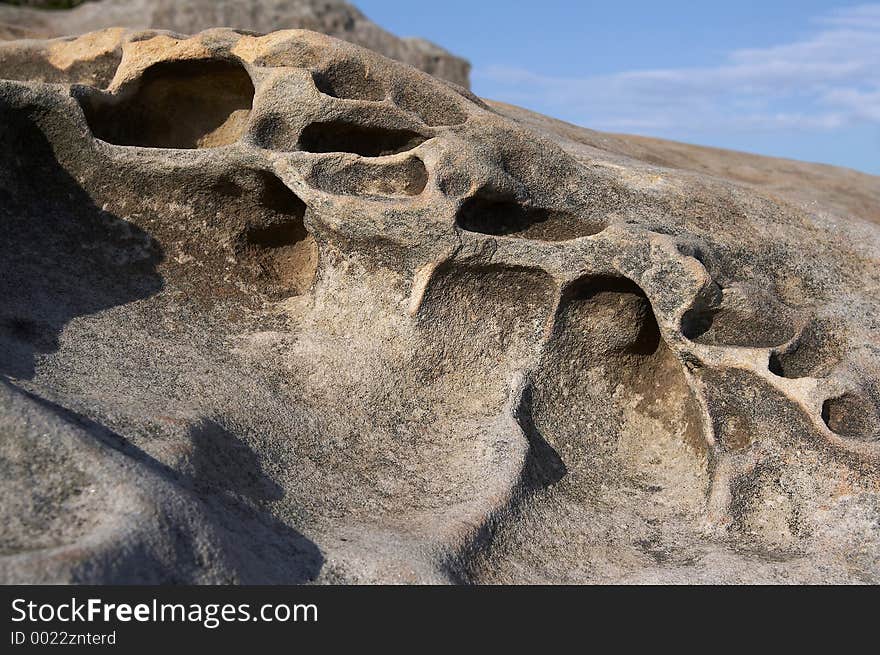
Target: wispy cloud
x=827, y=81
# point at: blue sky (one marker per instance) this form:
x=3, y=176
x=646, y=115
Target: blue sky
x=797, y=79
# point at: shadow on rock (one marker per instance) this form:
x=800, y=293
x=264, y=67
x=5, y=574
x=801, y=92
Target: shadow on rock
x=223, y=462
x=264, y=549
x=542, y=468
x=60, y=255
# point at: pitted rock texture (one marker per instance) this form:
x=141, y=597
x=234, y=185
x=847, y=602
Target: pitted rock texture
x=277, y=309
x=334, y=17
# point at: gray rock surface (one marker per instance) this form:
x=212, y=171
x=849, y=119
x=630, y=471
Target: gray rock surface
x=278, y=309
x=334, y=17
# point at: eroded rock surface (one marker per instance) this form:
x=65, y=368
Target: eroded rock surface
x=278, y=309
x=334, y=17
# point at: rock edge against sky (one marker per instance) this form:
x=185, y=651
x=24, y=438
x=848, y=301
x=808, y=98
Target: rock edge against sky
x=279, y=309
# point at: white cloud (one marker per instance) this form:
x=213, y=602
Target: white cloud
x=827, y=81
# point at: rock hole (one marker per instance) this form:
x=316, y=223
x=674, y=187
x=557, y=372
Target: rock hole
x=349, y=80
x=222, y=461
x=283, y=252
x=640, y=336
x=613, y=400
x=739, y=316
x=175, y=104
x=273, y=132
x=815, y=353
x=363, y=140
x=696, y=322
x=481, y=320
x=775, y=366
x=695, y=251
x=852, y=415
x=506, y=217
x=406, y=178
x=607, y=364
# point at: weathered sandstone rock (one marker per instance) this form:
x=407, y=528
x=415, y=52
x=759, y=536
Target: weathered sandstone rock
x=278, y=309
x=334, y=17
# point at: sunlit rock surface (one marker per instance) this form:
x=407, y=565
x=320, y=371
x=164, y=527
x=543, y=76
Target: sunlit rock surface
x=277, y=309
x=334, y=17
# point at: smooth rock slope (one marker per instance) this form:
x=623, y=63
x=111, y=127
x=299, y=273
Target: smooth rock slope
x=278, y=309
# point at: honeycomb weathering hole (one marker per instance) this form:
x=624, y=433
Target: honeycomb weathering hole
x=283, y=251
x=712, y=320
x=273, y=132
x=361, y=178
x=482, y=317
x=349, y=80
x=614, y=301
x=342, y=136
x=638, y=422
x=852, y=416
x=815, y=354
x=502, y=217
x=176, y=104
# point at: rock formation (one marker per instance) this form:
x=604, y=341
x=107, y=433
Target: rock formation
x=334, y=17
x=278, y=309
